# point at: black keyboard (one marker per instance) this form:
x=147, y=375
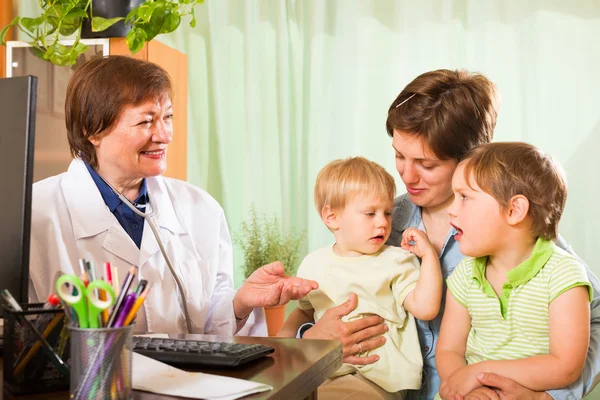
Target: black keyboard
x=198, y=352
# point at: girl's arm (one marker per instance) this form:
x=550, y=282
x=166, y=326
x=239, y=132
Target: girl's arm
x=452, y=341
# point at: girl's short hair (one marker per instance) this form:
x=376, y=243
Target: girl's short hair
x=506, y=169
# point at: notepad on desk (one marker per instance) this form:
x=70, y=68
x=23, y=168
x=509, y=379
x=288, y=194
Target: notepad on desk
x=156, y=377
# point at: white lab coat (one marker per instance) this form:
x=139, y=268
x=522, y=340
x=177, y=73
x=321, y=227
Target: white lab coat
x=71, y=221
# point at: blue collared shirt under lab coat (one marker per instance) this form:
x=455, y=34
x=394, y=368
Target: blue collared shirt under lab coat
x=406, y=214
x=132, y=223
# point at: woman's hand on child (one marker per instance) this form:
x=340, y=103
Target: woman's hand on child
x=417, y=242
x=482, y=393
x=357, y=336
x=507, y=389
x=462, y=382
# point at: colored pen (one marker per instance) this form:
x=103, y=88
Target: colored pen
x=122, y=294
x=108, y=278
x=91, y=270
x=125, y=309
x=138, y=303
x=82, y=267
x=141, y=287
x=85, y=276
x=91, y=273
x=56, y=360
x=108, y=272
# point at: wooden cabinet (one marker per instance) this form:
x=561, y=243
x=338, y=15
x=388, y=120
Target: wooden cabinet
x=52, y=154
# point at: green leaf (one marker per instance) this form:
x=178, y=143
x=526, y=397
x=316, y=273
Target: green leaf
x=193, y=21
x=132, y=14
x=75, y=15
x=4, y=30
x=136, y=39
x=49, y=53
x=31, y=23
x=100, y=24
x=155, y=24
x=170, y=23
x=61, y=55
x=38, y=52
x=57, y=10
x=145, y=11
x=67, y=29
x=80, y=48
x=53, y=21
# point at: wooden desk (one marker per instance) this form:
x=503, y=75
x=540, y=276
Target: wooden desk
x=295, y=369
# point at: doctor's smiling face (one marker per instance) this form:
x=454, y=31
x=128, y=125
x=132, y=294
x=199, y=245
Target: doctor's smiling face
x=135, y=147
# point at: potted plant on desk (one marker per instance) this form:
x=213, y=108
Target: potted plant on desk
x=138, y=20
x=263, y=241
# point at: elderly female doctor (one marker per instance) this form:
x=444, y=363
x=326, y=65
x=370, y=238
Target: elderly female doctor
x=119, y=122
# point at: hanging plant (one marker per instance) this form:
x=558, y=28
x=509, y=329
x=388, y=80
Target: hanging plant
x=63, y=18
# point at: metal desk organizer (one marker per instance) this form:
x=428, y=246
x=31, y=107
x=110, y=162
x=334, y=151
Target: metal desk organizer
x=26, y=366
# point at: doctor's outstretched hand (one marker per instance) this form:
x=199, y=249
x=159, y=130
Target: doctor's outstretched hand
x=269, y=286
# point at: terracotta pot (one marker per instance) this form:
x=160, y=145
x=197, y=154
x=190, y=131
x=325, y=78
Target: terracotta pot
x=275, y=317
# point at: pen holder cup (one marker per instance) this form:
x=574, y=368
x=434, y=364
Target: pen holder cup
x=101, y=363
x=27, y=366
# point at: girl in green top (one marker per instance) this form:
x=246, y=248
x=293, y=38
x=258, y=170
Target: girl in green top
x=517, y=305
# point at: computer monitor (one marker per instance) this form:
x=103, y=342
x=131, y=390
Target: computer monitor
x=17, y=132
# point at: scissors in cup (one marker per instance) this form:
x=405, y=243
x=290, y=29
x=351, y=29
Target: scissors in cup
x=86, y=303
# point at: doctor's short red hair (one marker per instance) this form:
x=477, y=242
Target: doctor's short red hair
x=100, y=89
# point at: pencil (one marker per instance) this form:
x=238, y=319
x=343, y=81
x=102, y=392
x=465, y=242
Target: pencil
x=104, y=314
x=115, y=280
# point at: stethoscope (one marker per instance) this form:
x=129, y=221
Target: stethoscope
x=149, y=217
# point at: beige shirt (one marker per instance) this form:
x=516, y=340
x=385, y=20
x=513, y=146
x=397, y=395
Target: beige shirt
x=381, y=281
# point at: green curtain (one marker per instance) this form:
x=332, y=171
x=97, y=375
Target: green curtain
x=279, y=88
